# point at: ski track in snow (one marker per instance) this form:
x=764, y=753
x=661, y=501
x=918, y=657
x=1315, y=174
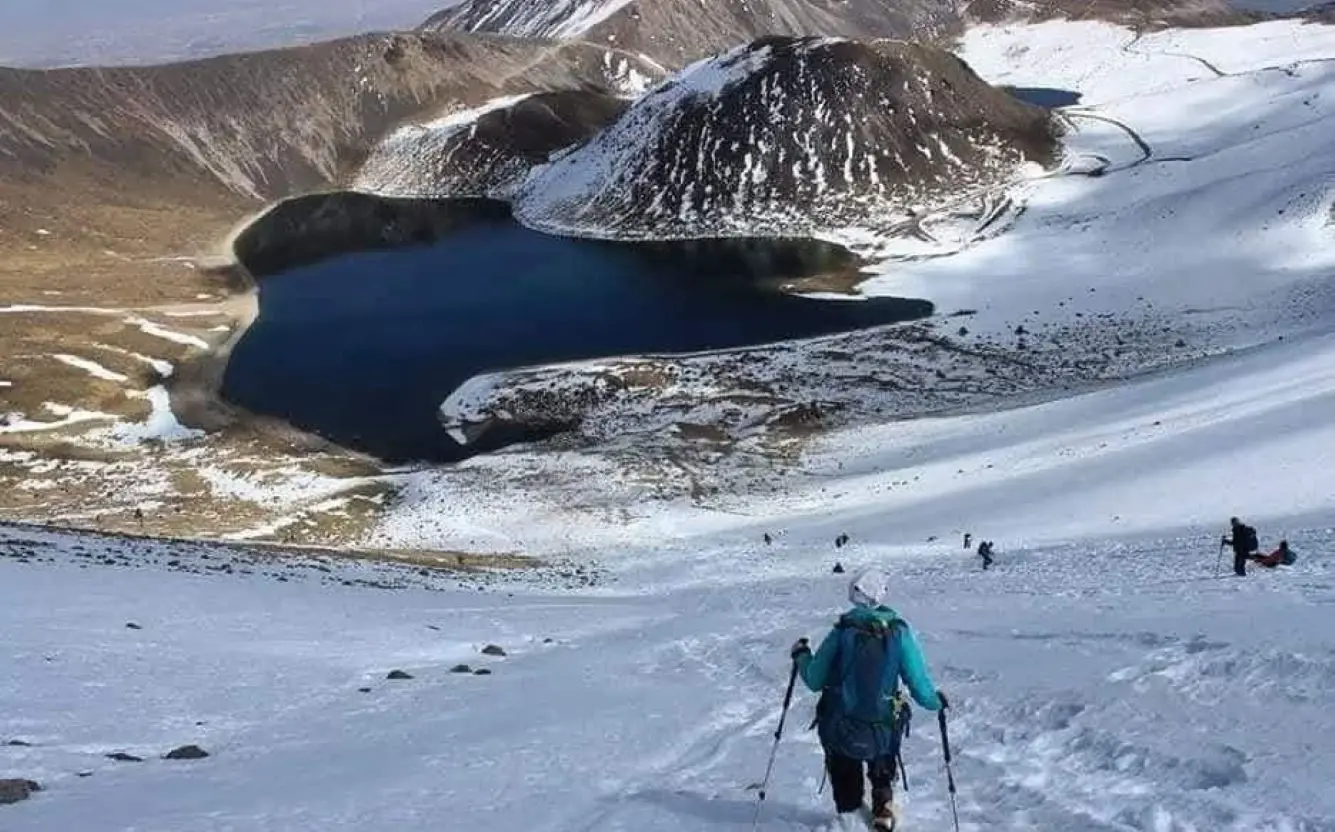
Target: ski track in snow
x=1098, y=686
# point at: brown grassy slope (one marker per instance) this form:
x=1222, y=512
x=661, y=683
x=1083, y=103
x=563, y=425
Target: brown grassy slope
x=113, y=181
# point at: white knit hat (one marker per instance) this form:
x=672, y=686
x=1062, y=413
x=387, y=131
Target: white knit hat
x=869, y=588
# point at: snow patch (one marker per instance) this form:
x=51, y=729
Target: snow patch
x=91, y=367
x=159, y=331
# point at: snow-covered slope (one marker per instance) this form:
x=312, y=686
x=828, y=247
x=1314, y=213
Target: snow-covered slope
x=1097, y=685
x=483, y=151
x=1216, y=181
x=555, y=19
x=792, y=136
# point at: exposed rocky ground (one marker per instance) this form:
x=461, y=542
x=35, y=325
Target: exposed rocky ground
x=796, y=136
x=671, y=418
x=378, y=569
x=676, y=32
x=487, y=154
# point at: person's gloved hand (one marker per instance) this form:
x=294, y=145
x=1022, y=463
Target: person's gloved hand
x=799, y=647
x=945, y=703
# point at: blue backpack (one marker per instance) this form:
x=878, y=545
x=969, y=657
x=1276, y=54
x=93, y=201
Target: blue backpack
x=862, y=714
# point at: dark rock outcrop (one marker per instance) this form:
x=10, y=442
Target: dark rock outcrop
x=186, y=752
x=793, y=136
x=493, y=650
x=398, y=675
x=306, y=229
x=485, y=153
x=461, y=668
x=14, y=790
x=122, y=757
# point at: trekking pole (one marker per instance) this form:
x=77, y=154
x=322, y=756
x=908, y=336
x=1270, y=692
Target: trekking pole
x=778, y=734
x=1219, y=559
x=950, y=775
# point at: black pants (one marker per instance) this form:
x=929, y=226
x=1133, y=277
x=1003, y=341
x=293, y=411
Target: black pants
x=846, y=781
x=1239, y=562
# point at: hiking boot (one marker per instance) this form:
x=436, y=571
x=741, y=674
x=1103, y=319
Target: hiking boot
x=886, y=818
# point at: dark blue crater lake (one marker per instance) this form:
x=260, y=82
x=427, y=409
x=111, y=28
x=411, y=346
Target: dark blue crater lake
x=362, y=348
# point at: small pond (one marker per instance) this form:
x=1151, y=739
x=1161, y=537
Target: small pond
x=363, y=347
x=1049, y=98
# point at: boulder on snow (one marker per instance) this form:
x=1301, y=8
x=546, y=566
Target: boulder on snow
x=493, y=650
x=122, y=757
x=398, y=674
x=19, y=744
x=794, y=136
x=482, y=671
x=12, y=791
x=130, y=625
x=461, y=668
x=186, y=752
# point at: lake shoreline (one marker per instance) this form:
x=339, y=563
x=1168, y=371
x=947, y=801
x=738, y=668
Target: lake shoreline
x=309, y=230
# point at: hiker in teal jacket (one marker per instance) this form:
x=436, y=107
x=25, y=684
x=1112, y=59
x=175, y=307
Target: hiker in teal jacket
x=862, y=717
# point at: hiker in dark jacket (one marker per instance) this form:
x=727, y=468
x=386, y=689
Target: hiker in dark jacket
x=1244, y=543
x=850, y=666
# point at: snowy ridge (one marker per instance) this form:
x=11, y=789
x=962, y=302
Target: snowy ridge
x=548, y=19
x=419, y=159
x=763, y=399
x=488, y=150
x=791, y=136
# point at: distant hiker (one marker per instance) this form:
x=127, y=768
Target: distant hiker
x=1283, y=555
x=1244, y=543
x=139, y=515
x=768, y=540
x=862, y=715
x=840, y=541
x=985, y=552
x=968, y=539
